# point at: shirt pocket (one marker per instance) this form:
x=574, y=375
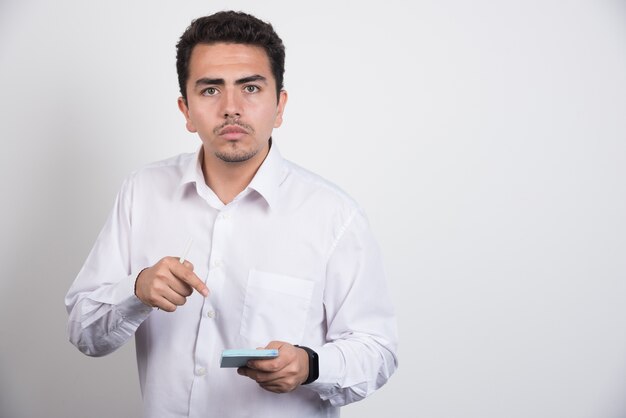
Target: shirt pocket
x=275, y=308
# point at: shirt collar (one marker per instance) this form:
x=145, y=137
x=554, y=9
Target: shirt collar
x=192, y=172
x=269, y=176
x=265, y=182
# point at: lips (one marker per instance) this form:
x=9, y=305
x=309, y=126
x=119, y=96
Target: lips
x=231, y=129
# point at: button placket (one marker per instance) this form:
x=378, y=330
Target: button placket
x=205, y=345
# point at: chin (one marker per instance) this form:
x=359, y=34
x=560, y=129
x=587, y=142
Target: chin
x=235, y=156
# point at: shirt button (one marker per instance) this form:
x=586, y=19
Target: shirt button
x=217, y=263
x=201, y=371
x=211, y=314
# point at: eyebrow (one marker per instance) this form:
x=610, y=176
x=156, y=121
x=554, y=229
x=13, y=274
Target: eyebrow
x=220, y=81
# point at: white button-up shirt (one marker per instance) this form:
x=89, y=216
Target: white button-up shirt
x=291, y=258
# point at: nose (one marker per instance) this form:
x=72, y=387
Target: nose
x=231, y=104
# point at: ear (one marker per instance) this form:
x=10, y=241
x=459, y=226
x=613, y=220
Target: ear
x=282, y=102
x=182, y=105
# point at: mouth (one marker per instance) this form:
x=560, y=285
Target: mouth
x=232, y=132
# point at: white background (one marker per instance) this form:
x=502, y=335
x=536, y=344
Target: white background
x=485, y=139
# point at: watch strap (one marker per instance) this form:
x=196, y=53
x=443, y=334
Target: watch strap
x=314, y=365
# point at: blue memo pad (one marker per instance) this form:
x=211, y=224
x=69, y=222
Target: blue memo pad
x=239, y=358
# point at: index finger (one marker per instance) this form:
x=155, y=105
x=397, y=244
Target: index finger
x=188, y=276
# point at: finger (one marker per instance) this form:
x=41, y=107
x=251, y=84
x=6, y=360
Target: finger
x=262, y=377
x=267, y=378
x=161, y=289
x=276, y=388
x=245, y=371
x=180, y=287
x=267, y=365
x=279, y=385
x=165, y=305
x=174, y=297
x=188, y=276
x=187, y=264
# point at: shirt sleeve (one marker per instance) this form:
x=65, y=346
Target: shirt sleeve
x=103, y=310
x=360, y=355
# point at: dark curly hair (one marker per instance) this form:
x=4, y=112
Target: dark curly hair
x=230, y=27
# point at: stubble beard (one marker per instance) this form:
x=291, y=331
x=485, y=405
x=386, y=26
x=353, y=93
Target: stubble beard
x=236, y=155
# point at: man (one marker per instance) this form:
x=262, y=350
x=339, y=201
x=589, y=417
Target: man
x=281, y=258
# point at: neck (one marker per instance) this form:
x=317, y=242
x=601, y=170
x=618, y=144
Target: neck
x=226, y=179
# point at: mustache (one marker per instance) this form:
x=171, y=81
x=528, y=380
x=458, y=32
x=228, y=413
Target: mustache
x=233, y=122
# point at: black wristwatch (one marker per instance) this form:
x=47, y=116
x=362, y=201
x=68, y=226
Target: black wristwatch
x=314, y=365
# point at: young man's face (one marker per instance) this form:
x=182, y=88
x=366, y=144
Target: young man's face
x=231, y=101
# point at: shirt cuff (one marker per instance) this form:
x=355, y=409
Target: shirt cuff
x=121, y=297
x=127, y=303
x=331, y=367
x=133, y=308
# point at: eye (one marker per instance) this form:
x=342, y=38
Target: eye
x=209, y=91
x=251, y=89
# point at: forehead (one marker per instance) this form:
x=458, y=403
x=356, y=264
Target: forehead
x=224, y=59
